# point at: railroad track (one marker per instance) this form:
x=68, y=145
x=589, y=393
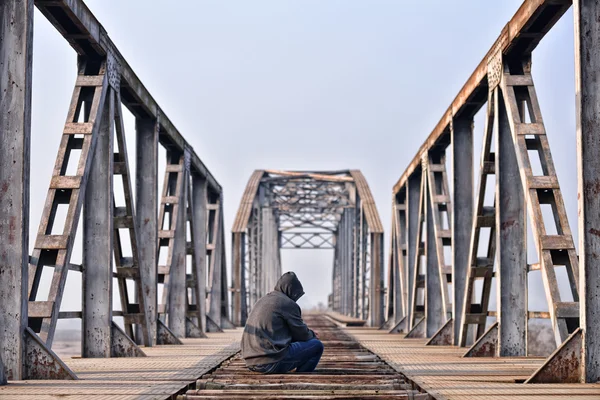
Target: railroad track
x=346, y=371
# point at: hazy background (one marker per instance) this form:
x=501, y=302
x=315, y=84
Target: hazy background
x=302, y=84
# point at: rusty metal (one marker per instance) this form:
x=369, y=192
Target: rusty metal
x=443, y=337
x=486, y=345
x=164, y=334
x=564, y=365
x=346, y=370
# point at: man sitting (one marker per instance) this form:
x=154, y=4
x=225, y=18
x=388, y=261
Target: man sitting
x=275, y=339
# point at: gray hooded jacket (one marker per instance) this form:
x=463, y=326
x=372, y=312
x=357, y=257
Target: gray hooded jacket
x=274, y=323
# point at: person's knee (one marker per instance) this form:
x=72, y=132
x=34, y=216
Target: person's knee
x=318, y=346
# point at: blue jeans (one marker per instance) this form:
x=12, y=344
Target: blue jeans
x=303, y=356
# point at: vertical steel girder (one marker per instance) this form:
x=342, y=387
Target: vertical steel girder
x=587, y=81
x=16, y=55
x=308, y=210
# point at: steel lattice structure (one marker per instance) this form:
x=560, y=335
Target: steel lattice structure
x=309, y=210
x=449, y=248
x=139, y=247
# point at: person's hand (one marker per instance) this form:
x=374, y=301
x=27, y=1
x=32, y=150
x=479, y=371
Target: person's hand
x=316, y=334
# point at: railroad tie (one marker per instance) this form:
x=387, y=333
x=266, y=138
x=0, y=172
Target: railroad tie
x=346, y=371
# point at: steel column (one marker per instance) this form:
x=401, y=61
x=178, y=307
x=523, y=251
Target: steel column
x=462, y=213
x=146, y=182
x=98, y=242
x=587, y=85
x=16, y=41
x=376, y=294
x=177, y=274
x=200, y=200
x=413, y=193
x=214, y=311
x=434, y=303
x=511, y=241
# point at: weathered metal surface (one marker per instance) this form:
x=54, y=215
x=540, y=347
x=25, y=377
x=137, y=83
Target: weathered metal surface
x=146, y=197
x=41, y=362
x=475, y=306
x=122, y=345
x=164, y=335
x=444, y=336
x=511, y=254
x=462, y=216
x=486, y=345
x=192, y=330
x=199, y=214
x=177, y=296
x=217, y=298
x=418, y=330
x=564, y=365
x=16, y=55
x=434, y=302
x=587, y=89
x=413, y=192
x=98, y=242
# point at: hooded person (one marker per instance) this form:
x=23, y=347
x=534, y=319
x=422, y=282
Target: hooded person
x=276, y=340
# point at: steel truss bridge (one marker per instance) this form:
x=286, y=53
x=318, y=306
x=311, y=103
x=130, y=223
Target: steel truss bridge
x=309, y=210
x=456, y=232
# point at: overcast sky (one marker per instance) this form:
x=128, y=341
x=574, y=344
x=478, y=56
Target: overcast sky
x=303, y=84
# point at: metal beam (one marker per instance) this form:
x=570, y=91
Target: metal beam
x=177, y=274
x=434, y=303
x=146, y=212
x=413, y=220
x=511, y=241
x=98, y=242
x=587, y=89
x=199, y=200
x=16, y=41
x=462, y=215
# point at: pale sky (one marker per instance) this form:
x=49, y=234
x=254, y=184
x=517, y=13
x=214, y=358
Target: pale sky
x=303, y=84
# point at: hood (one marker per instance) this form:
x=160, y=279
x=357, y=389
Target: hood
x=289, y=285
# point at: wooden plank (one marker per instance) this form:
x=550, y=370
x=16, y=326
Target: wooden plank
x=65, y=182
x=444, y=373
x=78, y=128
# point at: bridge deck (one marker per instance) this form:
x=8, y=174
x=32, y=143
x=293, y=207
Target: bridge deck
x=169, y=371
x=166, y=371
x=444, y=374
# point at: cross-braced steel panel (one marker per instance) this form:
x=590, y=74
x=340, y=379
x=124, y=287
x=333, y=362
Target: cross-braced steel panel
x=309, y=210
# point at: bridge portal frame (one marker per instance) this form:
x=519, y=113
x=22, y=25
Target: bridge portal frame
x=338, y=203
